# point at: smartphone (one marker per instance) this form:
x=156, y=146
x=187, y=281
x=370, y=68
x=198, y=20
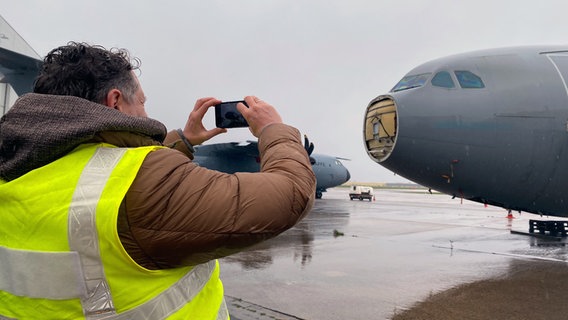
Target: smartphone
x=228, y=116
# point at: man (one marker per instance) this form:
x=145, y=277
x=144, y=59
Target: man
x=100, y=220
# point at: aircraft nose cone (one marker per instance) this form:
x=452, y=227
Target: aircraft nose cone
x=347, y=175
x=381, y=127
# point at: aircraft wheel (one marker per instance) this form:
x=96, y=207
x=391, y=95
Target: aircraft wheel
x=318, y=194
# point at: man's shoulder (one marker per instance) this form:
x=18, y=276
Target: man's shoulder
x=165, y=157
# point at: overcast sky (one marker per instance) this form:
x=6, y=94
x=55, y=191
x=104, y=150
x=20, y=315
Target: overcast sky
x=319, y=62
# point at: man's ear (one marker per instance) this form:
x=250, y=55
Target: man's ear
x=113, y=99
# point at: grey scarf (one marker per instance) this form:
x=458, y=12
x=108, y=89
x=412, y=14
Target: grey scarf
x=39, y=129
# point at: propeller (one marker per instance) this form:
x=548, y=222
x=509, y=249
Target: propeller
x=309, y=146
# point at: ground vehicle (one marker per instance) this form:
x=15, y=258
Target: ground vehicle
x=361, y=192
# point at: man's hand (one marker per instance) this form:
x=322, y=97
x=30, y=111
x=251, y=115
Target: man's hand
x=194, y=130
x=259, y=114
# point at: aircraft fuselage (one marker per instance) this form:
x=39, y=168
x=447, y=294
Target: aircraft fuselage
x=489, y=126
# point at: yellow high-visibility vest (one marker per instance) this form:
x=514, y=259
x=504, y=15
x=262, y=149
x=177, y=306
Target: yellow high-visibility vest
x=61, y=257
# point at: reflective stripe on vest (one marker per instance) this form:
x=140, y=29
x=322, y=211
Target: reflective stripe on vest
x=20, y=267
x=59, y=278
x=82, y=232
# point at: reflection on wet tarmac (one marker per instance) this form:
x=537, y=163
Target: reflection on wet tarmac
x=372, y=260
x=320, y=223
x=260, y=256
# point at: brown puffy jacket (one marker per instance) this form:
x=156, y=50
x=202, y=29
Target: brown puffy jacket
x=175, y=212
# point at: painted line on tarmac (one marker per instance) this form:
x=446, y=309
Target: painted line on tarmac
x=514, y=255
x=240, y=309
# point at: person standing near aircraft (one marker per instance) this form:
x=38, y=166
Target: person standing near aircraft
x=101, y=219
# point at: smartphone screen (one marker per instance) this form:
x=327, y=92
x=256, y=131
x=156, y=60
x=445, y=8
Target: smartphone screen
x=228, y=116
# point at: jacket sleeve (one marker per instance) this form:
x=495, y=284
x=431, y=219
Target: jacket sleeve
x=174, y=141
x=177, y=213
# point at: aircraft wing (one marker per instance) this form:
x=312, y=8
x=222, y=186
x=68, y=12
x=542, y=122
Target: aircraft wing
x=229, y=157
x=19, y=63
x=236, y=149
x=18, y=70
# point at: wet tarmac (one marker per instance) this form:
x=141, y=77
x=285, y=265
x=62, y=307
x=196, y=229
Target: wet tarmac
x=407, y=255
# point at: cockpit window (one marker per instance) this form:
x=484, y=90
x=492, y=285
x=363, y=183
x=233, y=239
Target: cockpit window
x=469, y=80
x=409, y=82
x=443, y=79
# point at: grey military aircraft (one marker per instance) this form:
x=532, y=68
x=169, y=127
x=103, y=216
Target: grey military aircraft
x=489, y=126
x=234, y=157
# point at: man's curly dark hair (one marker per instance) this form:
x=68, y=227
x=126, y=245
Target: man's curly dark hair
x=87, y=71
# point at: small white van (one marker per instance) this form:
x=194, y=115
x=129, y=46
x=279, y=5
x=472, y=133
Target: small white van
x=361, y=192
